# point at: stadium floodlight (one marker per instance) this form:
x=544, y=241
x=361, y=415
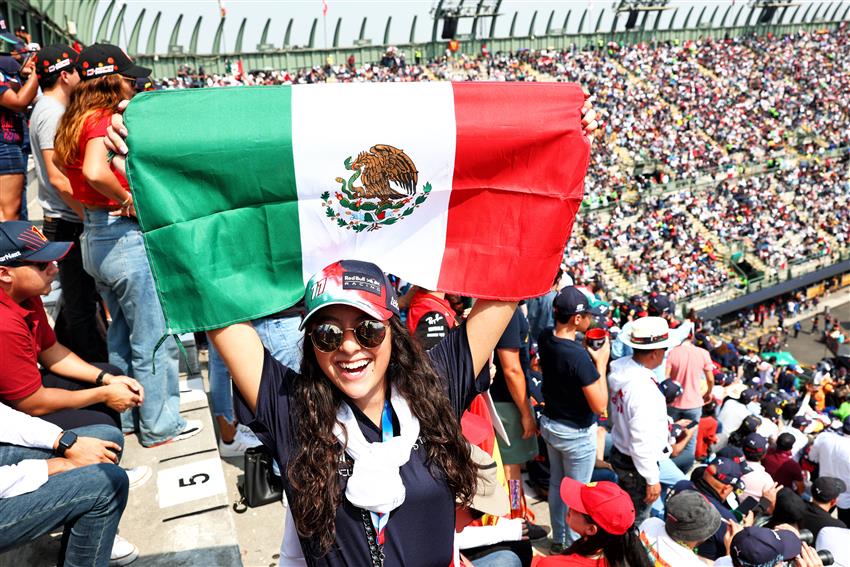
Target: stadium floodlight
x=635, y=7
x=451, y=11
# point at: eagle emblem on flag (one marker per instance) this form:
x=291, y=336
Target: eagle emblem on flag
x=387, y=192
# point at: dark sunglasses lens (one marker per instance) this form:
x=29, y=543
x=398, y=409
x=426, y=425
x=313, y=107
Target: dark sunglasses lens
x=43, y=267
x=326, y=337
x=370, y=334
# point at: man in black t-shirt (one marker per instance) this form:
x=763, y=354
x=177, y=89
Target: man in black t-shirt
x=576, y=392
x=818, y=515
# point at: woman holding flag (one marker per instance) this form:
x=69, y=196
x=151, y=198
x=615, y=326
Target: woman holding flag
x=367, y=432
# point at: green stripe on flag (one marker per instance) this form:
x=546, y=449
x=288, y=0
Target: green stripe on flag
x=213, y=181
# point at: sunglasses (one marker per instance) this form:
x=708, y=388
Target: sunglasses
x=327, y=337
x=40, y=266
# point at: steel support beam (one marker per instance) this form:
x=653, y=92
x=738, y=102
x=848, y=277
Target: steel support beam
x=413, y=30
x=133, y=44
x=102, y=29
x=115, y=36
x=175, y=32
x=239, y=35
x=154, y=31
x=216, y=46
x=193, y=42
x=387, y=30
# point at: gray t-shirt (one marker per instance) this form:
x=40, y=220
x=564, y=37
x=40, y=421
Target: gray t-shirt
x=43, y=125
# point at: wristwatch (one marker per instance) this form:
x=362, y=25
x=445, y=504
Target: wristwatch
x=99, y=380
x=66, y=441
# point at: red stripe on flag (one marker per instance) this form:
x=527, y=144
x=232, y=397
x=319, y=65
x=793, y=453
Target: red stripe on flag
x=520, y=162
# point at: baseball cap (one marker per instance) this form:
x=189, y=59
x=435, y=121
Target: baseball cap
x=747, y=396
x=785, y=441
x=609, y=505
x=763, y=547
x=660, y=304
x=827, y=488
x=737, y=455
x=751, y=423
x=571, y=301
x=6, y=34
x=54, y=59
x=754, y=445
x=103, y=59
x=727, y=471
x=351, y=282
x=691, y=517
x=21, y=241
x=671, y=390
x=800, y=421
x=490, y=496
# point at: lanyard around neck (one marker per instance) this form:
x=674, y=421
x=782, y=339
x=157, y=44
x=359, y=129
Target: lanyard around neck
x=380, y=520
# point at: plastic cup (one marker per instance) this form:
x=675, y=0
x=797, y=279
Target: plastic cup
x=595, y=338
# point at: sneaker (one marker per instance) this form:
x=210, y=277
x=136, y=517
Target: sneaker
x=138, y=475
x=123, y=552
x=536, y=532
x=192, y=428
x=240, y=443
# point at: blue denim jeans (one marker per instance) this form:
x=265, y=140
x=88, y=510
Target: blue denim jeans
x=284, y=341
x=685, y=459
x=670, y=475
x=114, y=255
x=572, y=453
x=501, y=558
x=87, y=501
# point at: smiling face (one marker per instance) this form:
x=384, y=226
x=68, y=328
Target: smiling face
x=358, y=372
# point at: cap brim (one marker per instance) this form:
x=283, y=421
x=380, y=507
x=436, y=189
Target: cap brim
x=571, y=494
x=10, y=38
x=50, y=253
x=367, y=308
x=136, y=72
x=791, y=546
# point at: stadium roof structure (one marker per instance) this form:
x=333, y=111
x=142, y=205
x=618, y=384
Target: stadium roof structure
x=631, y=21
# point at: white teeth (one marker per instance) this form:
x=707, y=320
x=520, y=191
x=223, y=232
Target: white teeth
x=354, y=367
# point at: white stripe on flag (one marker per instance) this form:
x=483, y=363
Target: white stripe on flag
x=333, y=122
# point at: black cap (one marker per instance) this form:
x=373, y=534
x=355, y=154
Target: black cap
x=54, y=59
x=761, y=546
x=747, y=396
x=826, y=488
x=737, y=455
x=751, y=423
x=23, y=242
x=671, y=390
x=660, y=304
x=755, y=445
x=571, y=301
x=102, y=59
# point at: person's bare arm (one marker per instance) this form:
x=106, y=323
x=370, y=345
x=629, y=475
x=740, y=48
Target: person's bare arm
x=97, y=173
x=515, y=380
x=242, y=351
x=484, y=327
x=597, y=393
x=19, y=101
x=43, y=401
x=62, y=184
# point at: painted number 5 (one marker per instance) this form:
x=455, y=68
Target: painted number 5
x=193, y=480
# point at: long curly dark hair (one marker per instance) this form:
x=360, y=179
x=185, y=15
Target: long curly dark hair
x=313, y=468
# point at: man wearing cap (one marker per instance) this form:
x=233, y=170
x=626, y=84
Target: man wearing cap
x=77, y=325
x=733, y=412
x=691, y=367
x=715, y=482
x=818, y=514
x=831, y=450
x=72, y=393
x=639, y=412
x=762, y=547
x=798, y=428
x=576, y=392
x=779, y=464
x=690, y=520
x=755, y=481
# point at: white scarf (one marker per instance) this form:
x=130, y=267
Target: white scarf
x=375, y=483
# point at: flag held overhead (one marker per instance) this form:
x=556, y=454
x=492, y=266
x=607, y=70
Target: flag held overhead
x=243, y=193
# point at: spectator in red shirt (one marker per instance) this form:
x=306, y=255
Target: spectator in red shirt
x=707, y=431
x=782, y=467
x=72, y=393
x=430, y=317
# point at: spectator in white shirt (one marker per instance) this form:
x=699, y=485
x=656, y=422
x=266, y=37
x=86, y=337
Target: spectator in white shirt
x=755, y=448
x=831, y=450
x=51, y=478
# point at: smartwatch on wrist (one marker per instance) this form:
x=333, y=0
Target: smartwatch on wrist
x=66, y=441
x=99, y=380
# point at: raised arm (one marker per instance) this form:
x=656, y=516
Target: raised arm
x=241, y=350
x=484, y=326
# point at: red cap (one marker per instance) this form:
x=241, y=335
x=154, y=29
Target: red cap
x=608, y=504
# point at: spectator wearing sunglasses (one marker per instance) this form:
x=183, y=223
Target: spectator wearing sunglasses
x=71, y=392
x=367, y=432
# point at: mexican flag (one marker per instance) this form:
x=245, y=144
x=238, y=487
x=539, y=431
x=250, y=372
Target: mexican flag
x=243, y=193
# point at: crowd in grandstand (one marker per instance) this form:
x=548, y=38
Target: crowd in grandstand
x=657, y=442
